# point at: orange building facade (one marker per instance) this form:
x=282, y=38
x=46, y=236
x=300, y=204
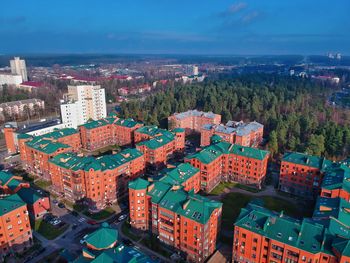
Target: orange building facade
x=302, y=174
x=35, y=152
x=15, y=230
x=192, y=120
x=159, y=145
x=109, y=131
x=245, y=134
x=227, y=162
x=99, y=181
x=183, y=220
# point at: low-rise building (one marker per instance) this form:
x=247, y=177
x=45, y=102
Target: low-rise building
x=301, y=174
x=102, y=245
x=183, y=220
x=223, y=161
x=99, y=181
x=10, y=79
x=15, y=230
x=245, y=134
x=193, y=120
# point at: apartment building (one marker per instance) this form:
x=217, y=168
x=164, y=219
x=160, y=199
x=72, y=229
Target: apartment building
x=159, y=145
x=81, y=103
x=192, y=120
x=99, y=181
x=35, y=152
x=262, y=236
x=223, y=161
x=301, y=174
x=37, y=203
x=245, y=134
x=15, y=230
x=20, y=108
x=108, y=131
x=181, y=219
x=18, y=67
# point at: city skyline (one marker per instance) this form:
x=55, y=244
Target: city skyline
x=226, y=27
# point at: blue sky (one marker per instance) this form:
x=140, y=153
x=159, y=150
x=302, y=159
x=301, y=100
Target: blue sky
x=175, y=26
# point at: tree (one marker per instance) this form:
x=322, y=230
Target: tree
x=273, y=143
x=315, y=145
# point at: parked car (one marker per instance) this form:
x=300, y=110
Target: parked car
x=82, y=241
x=61, y=205
x=56, y=222
x=92, y=222
x=54, y=201
x=122, y=217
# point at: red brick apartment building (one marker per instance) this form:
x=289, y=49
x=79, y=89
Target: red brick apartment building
x=37, y=203
x=36, y=151
x=245, y=134
x=193, y=120
x=264, y=236
x=99, y=181
x=159, y=145
x=301, y=174
x=108, y=131
x=223, y=161
x=15, y=231
x=180, y=219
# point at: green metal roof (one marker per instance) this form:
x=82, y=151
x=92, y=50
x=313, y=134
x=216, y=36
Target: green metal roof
x=307, y=160
x=29, y=195
x=151, y=130
x=139, y=184
x=98, y=123
x=130, y=123
x=46, y=146
x=178, y=130
x=107, y=162
x=157, y=190
x=24, y=136
x=214, y=151
x=5, y=177
x=10, y=203
x=103, y=238
x=337, y=176
x=60, y=133
x=180, y=174
x=307, y=234
x=157, y=142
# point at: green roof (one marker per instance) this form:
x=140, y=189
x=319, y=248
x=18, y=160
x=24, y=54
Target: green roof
x=337, y=176
x=214, y=151
x=307, y=160
x=60, y=133
x=45, y=145
x=10, y=203
x=130, y=123
x=23, y=136
x=139, y=184
x=180, y=174
x=306, y=235
x=157, y=190
x=29, y=195
x=157, y=142
x=103, y=238
x=178, y=130
x=151, y=130
x=5, y=177
x=98, y=123
x=75, y=162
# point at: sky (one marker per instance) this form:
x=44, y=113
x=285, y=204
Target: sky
x=211, y=27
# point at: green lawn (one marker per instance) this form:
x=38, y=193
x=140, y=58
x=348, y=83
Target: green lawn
x=247, y=188
x=79, y=207
x=103, y=214
x=220, y=188
x=42, y=183
x=47, y=230
x=153, y=243
x=233, y=202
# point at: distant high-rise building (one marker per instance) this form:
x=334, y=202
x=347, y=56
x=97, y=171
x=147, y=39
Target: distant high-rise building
x=18, y=67
x=195, y=70
x=81, y=103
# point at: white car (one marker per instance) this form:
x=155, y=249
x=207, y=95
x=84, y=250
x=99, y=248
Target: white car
x=122, y=217
x=82, y=241
x=56, y=222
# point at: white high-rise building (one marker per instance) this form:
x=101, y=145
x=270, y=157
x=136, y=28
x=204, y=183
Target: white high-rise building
x=195, y=70
x=81, y=103
x=18, y=67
